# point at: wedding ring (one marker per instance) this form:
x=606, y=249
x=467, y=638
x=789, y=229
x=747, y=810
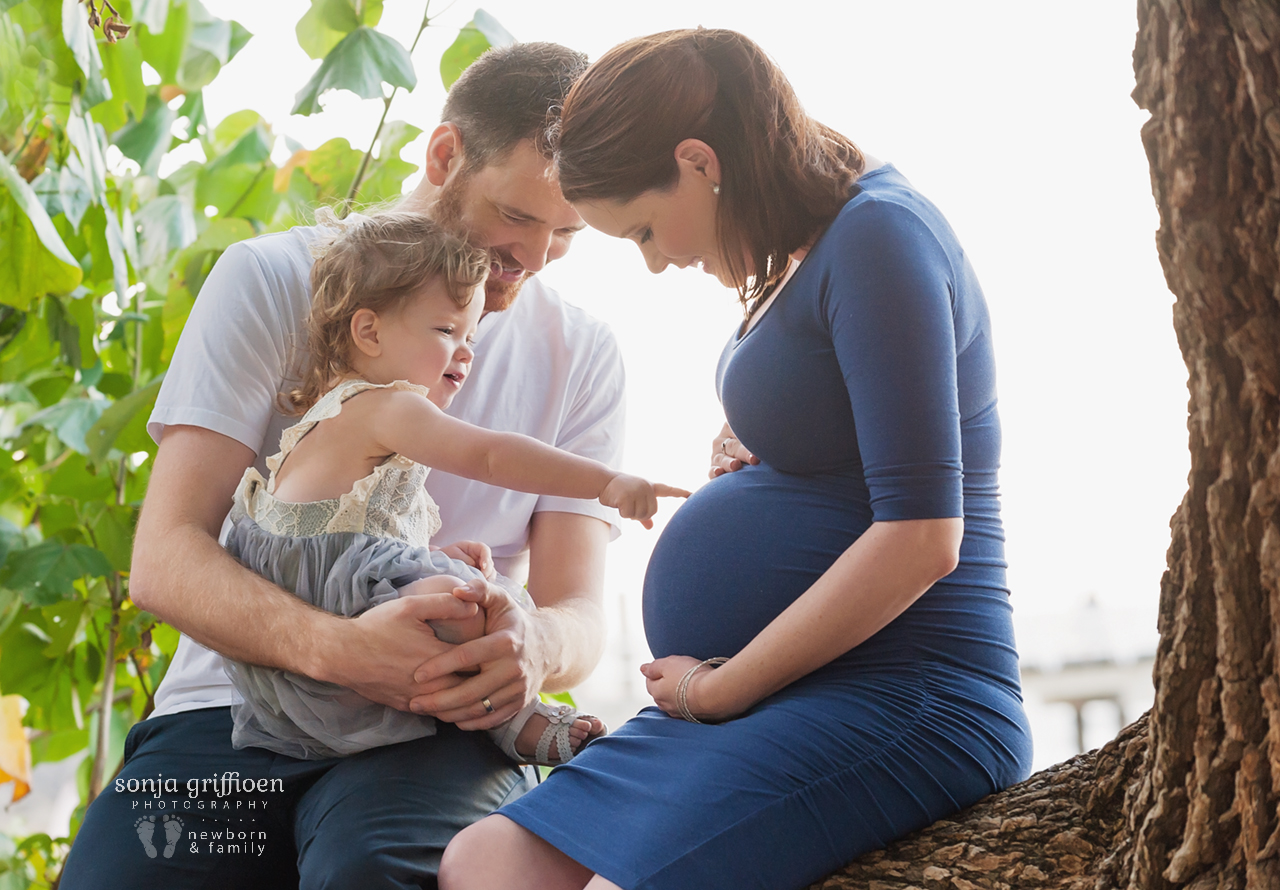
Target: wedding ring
x=488, y=705
x=724, y=446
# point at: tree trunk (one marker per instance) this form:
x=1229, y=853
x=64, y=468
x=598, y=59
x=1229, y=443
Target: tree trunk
x=1192, y=797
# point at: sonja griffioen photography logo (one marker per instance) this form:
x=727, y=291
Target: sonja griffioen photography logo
x=146, y=828
x=162, y=831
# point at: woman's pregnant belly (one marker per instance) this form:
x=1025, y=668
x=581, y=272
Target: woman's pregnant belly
x=741, y=550
x=748, y=544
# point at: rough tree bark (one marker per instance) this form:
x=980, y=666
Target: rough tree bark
x=1190, y=795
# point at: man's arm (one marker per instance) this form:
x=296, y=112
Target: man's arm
x=182, y=575
x=566, y=580
x=523, y=653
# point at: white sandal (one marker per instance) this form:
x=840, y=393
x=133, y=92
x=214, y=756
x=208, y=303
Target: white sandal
x=559, y=719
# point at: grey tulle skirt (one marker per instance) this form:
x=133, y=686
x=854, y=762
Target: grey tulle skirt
x=345, y=573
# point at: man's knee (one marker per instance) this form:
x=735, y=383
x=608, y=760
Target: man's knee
x=364, y=863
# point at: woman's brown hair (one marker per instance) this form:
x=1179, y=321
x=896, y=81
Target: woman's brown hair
x=376, y=262
x=784, y=175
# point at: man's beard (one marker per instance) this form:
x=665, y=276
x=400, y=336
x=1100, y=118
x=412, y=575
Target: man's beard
x=447, y=210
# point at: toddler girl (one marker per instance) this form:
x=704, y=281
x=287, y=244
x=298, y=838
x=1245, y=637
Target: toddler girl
x=344, y=521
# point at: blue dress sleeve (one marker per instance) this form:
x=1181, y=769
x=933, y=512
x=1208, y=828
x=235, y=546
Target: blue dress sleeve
x=887, y=299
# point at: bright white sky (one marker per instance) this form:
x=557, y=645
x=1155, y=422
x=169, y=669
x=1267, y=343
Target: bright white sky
x=1015, y=118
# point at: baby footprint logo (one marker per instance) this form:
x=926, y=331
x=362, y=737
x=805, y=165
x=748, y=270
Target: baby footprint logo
x=146, y=828
x=172, y=834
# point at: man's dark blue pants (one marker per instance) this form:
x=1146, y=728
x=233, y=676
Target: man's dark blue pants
x=189, y=811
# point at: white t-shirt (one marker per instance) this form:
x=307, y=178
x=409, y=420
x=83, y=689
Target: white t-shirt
x=543, y=368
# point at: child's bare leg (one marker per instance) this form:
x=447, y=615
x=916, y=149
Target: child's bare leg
x=450, y=630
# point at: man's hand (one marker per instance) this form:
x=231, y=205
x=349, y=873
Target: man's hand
x=511, y=671
x=473, y=553
x=524, y=653
x=728, y=454
x=381, y=648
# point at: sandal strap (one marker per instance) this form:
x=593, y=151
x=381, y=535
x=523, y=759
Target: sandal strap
x=559, y=719
x=559, y=733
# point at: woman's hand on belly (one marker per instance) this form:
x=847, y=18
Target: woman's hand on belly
x=728, y=453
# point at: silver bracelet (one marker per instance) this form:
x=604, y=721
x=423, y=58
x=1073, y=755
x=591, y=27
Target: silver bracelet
x=682, y=688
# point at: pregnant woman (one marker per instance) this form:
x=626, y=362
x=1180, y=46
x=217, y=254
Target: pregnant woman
x=835, y=660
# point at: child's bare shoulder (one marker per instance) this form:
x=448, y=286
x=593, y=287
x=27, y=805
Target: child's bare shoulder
x=387, y=400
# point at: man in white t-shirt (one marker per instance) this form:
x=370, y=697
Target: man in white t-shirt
x=189, y=810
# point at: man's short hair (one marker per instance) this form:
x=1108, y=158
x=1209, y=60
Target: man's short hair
x=510, y=94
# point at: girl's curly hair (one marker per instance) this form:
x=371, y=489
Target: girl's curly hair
x=376, y=262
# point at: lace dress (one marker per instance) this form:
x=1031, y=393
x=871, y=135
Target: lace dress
x=344, y=555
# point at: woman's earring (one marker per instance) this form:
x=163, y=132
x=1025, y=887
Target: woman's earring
x=715, y=188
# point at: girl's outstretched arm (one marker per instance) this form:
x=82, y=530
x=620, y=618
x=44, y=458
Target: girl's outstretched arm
x=406, y=423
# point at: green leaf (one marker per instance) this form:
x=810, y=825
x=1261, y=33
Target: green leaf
x=115, y=250
x=12, y=323
x=34, y=260
x=115, y=385
x=122, y=64
x=167, y=224
x=113, y=535
x=164, y=48
x=59, y=745
x=332, y=166
x=52, y=385
x=23, y=668
x=385, y=178
x=46, y=572
x=481, y=33
x=84, y=46
x=492, y=29
x=213, y=42
x=239, y=183
x=196, y=261
x=129, y=233
x=147, y=139
x=46, y=188
x=83, y=329
x=361, y=62
x=88, y=139
x=10, y=538
x=75, y=480
x=74, y=194
x=232, y=128
x=152, y=13
x=64, y=621
x=107, y=429
x=328, y=21
x=252, y=147
x=70, y=421
x=31, y=351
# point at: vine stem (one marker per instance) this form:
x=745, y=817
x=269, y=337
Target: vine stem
x=386, y=107
x=97, y=778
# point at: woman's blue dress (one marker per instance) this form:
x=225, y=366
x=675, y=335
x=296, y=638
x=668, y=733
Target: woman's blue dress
x=867, y=390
